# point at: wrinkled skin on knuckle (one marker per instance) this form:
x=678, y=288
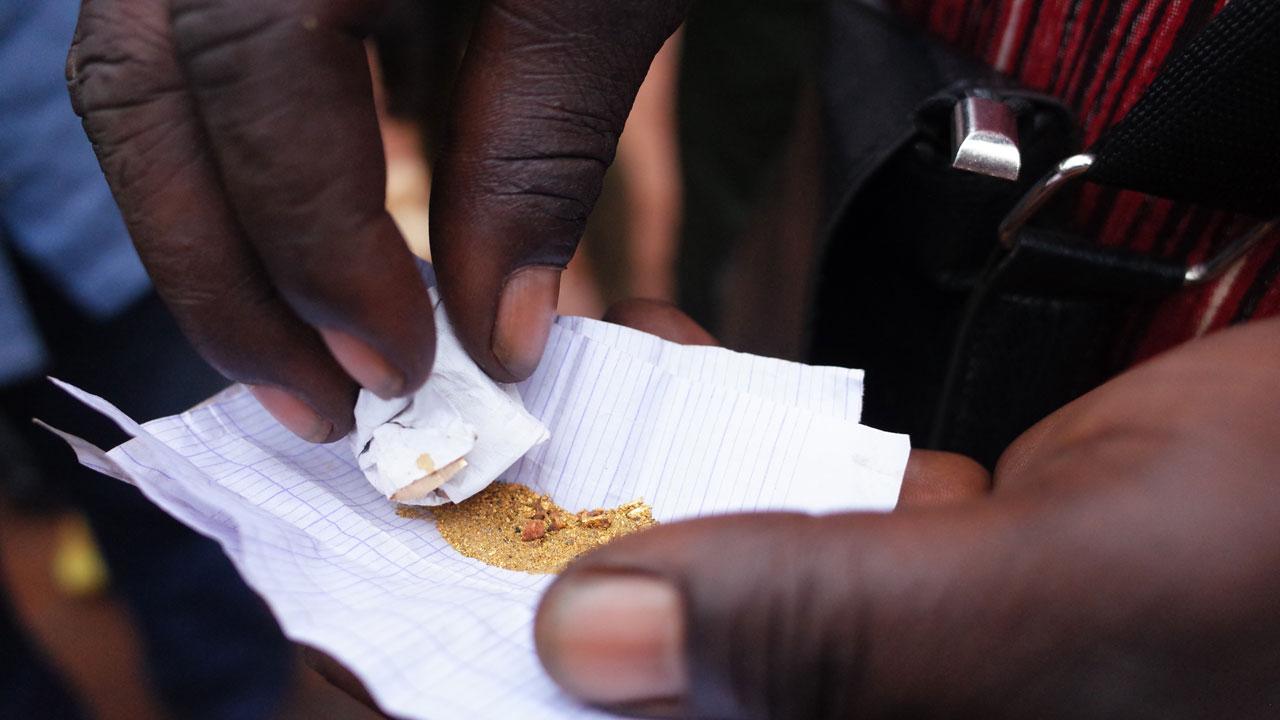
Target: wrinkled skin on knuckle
x=541, y=169
x=125, y=85
x=267, y=77
x=537, y=204
x=556, y=193
x=274, y=70
x=618, y=30
x=544, y=94
x=121, y=56
x=215, y=39
x=213, y=25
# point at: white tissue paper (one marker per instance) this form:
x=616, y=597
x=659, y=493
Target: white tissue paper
x=450, y=439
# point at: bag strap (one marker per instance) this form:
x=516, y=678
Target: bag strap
x=1208, y=129
x=1205, y=132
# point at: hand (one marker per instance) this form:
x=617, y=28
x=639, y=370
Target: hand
x=241, y=142
x=1127, y=564
x=932, y=478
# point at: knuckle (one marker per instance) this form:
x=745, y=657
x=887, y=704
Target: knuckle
x=125, y=85
x=216, y=39
x=536, y=164
x=546, y=194
x=216, y=31
x=203, y=25
x=121, y=57
x=564, y=189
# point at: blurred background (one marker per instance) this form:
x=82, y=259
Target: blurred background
x=108, y=608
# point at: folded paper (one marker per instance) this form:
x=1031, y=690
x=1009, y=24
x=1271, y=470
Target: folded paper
x=433, y=634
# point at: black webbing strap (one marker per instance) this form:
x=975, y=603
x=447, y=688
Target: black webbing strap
x=967, y=357
x=1208, y=129
x=1039, y=328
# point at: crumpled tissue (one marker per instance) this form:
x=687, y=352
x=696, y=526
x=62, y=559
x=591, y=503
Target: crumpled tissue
x=451, y=438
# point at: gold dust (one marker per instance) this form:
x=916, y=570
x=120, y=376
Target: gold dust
x=511, y=526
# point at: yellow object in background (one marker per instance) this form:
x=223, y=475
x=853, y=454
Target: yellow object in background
x=78, y=568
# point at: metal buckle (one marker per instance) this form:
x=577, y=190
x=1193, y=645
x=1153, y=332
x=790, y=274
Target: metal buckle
x=1076, y=166
x=984, y=137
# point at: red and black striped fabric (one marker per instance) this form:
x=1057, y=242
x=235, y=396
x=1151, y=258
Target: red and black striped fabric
x=1100, y=56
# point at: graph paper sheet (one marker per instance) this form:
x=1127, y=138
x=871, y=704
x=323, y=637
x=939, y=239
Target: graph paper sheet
x=432, y=634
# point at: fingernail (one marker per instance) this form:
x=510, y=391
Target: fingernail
x=364, y=364
x=613, y=639
x=525, y=313
x=293, y=413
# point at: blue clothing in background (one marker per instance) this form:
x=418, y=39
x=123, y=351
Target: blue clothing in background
x=75, y=302
x=56, y=212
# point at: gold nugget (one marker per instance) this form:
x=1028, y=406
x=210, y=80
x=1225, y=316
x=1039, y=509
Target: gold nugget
x=510, y=526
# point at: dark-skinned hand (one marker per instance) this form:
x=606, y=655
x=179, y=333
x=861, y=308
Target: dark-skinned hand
x=932, y=478
x=240, y=140
x=1126, y=564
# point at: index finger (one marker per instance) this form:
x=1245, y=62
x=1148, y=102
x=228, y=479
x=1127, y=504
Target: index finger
x=126, y=85
x=284, y=92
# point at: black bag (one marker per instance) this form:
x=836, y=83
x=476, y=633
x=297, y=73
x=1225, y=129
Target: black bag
x=972, y=312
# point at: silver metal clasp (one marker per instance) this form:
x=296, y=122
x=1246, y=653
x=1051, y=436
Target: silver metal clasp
x=1077, y=166
x=984, y=136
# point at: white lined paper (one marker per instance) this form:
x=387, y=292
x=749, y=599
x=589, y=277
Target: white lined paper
x=694, y=431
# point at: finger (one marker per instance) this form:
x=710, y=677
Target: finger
x=126, y=85
x=819, y=617
x=667, y=620
x=542, y=97
x=659, y=318
x=284, y=93
x=940, y=478
x=1064, y=605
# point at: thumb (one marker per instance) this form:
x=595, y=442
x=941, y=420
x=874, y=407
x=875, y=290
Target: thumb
x=542, y=96
x=767, y=616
